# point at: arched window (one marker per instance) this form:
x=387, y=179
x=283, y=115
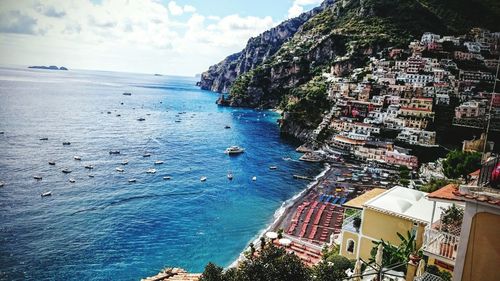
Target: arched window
x=350, y=246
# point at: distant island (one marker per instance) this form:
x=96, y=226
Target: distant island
x=52, y=67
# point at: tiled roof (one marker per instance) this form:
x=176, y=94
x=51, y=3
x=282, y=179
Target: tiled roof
x=446, y=193
x=492, y=200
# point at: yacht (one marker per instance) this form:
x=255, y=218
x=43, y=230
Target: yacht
x=77, y=158
x=45, y=194
x=118, y=169
x=203, y=179
x=132, y=180
x=66, y=171
x=167, y=178
x=38, y=178
x=66, y=143
x=124, y=162
x=90, y=167
x=234, y=150
x=158, y=162
x=52, y=163
x=151, y=171
x=114, y=152
x=44, y=139
x=72, y=180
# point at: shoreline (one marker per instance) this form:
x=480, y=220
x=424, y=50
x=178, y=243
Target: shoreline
x=285, y=210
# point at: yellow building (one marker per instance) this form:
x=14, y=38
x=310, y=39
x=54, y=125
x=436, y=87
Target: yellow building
x=383, y=214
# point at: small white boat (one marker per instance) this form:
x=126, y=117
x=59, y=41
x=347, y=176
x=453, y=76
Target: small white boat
x=52, y=163
x=45, y=194
x=230, y=176
x=158, y=162
x=66, y=171
x=151, y=171
x=234, y=150
x=203, y=179
x=118, y=169
x=146, y=155
x=77, y=158
x=125, y=162
x=91, y=176
x=132, y=180
x=90, y=167
x=273, y=167
x=38, y=178
x=167, y=178
x=2, y=183
x=72, y=180
x=254, y=178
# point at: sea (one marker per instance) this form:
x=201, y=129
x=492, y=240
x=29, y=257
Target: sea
x=105, y=227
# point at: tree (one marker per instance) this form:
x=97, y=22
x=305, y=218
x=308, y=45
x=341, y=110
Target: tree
x=332, y=266
x=460, y=164
x=435, y=184
x=396, y=255
x=212, y=272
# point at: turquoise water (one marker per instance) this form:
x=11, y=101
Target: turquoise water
x=104, y=227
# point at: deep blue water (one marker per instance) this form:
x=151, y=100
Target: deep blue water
x=105, y=228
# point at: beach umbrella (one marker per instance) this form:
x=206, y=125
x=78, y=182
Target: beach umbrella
x=332, y=238
x=272, y=235
x=285, y=242
x=420, y=268
x=380, y=253
x=357, y=271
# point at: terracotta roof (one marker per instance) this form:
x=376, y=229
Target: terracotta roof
x=475, y=173
x=446, y=193
x=357, y=203
x=416, y=109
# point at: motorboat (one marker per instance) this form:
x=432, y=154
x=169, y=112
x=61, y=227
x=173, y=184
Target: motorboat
x=124, y=162
x=91, y=175
x=146, y=155
x=77, y=158
x=151, y=171
x=177, y=121
x=132, y=180
x=2, y=183
x=44, y=139
x=141, y=119
x=203, y=179
x=109, y=112
x=230, y=175
x=72, y=180
x=118, y=169
x=45, y=194
x=66, y=143
x=52, y=163
x=234, y=150
x=90, y=167
x=273, y=167
x=227, y=127
x=158, y=162
x=118, y=115
x=114, y=152
x=127, y=94
x=167, y=178
x=254, y=178
x=66, y=171
x=38, y=178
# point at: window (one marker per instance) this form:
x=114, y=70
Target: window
x=350, y=246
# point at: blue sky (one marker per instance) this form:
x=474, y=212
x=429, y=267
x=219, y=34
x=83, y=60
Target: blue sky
x=181, y=37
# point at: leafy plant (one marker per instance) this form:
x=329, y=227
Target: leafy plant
x=393, y=255
x=460, y=164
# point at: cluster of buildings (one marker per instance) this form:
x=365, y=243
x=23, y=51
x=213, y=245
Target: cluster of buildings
x=396, y=97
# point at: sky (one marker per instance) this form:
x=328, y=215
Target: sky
x=181, y=37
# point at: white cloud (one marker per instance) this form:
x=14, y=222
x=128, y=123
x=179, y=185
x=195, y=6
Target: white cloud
x=126, y=35
x=297, y=7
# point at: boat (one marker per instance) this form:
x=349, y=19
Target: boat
x=151, y=171
x=273, y=167
x=114, y=152
x=66, y=143
x=132, y=180
x=91, y=176
x=203, y=179
x=124, y=162
x=38, y=178
x=52, y=163
x=118, y=169
x=118, y=115
x=45, y=194
x=2, y=183
x=44, y=139
x=72, y=180
x=158, y=162
x=141, y=119
x=127, y=94
x=66, y=171
x=109, y=112
x=300, y=177
x=177, y=121
x=230, y=175
x=340, y=179
x=254, y=178
x=146, y=155
x=167, y=178
x=77, y=158
x=234, y=150
x=90, y=167
x=227, y=127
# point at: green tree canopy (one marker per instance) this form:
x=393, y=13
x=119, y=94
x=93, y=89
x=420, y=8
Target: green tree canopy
x=460, y=164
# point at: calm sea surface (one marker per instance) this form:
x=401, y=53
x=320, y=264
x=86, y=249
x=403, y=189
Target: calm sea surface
x=104, y=227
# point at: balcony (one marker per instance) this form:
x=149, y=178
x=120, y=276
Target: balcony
x=441, y=245
x=348, y=223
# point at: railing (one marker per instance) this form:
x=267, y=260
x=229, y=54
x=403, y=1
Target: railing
x=441, y=244
x=348, y=223
x=487, y=176
x=428, y=277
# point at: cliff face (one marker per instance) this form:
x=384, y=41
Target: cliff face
x=259, y=49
